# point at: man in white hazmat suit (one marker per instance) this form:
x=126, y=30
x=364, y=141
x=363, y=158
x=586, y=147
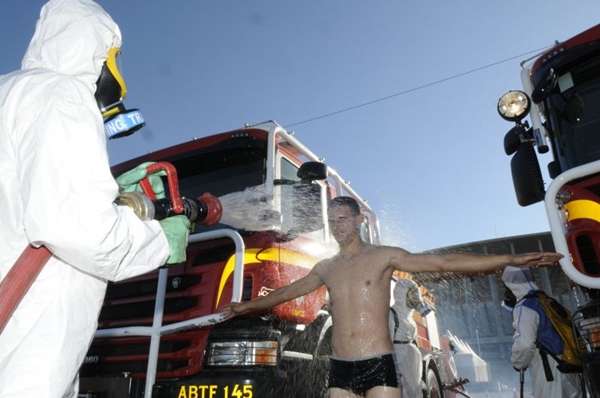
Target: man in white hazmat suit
x=403, y=330
x=56, y=190
x=525, y=354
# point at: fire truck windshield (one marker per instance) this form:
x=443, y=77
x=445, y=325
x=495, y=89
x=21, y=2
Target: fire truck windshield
x=231, y=166
x=573, y=115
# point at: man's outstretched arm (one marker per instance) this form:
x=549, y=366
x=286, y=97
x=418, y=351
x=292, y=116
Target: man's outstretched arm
x=299, y=288
x=469, y=263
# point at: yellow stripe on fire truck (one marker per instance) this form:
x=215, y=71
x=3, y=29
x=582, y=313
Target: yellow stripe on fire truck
x=257, y=256
x=583, y=208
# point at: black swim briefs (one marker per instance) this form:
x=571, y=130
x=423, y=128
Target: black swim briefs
x=362, y=375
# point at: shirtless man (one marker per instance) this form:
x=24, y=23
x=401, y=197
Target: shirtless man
x=358, y=280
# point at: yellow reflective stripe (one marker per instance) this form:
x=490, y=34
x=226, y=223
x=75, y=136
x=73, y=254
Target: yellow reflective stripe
x=111, y=64
x=270, y=254
x=256, y=256
x=578, y=209
x=249, y=257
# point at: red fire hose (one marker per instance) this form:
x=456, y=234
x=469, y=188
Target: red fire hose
x=19, y=279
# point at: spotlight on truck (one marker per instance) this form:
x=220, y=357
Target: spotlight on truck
x=514, y=105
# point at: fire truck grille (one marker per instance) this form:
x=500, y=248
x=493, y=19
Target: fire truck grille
x=179, y=355
x=588, y=255
x=191, y=292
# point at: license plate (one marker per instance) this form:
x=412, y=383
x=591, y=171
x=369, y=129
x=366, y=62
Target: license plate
x=216, y=391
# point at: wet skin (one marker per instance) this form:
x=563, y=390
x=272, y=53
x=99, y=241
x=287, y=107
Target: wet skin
x=358, y=280
x=359, y=290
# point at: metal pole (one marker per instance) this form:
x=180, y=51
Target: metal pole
x=159, y=305
x=238, y=271
x=478, y=343
x=156, y=330
x=556, y=217
x=521, y=380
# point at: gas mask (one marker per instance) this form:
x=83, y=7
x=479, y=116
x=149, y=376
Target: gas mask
x=416, y=302
x=510, y=300
x=110, y=92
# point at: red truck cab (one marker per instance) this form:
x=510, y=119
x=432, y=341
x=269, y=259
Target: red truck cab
x=278, y=208
x=561, y=95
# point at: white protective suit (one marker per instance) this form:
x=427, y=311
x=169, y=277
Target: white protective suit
x=57, y=190
x=524, y=351
x=403, y=329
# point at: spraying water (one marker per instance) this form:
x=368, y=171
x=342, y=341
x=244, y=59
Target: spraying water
x=287, y=211
x=465, y=306
x=256, y=209
x=251, y=210
x=393, y=232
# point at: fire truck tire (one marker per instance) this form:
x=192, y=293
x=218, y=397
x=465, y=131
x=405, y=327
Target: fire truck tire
x=434, y=385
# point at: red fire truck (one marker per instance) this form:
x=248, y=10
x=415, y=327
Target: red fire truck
x=162, y=335
x=561, y=94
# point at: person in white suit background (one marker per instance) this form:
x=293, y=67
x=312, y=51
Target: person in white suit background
x=403, y=330
x=527, y=325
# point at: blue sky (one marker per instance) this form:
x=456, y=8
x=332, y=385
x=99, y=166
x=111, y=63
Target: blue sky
x=430, y=163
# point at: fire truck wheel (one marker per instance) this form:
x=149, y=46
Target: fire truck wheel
x=434, y=386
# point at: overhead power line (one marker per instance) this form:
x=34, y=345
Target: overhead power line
x=412, y=90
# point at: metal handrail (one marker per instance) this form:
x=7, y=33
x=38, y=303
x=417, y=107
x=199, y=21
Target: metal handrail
x=557, y=222
x=157, y=329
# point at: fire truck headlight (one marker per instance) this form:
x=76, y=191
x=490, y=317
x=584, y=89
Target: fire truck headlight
x=242, y=353
x=514, y=105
